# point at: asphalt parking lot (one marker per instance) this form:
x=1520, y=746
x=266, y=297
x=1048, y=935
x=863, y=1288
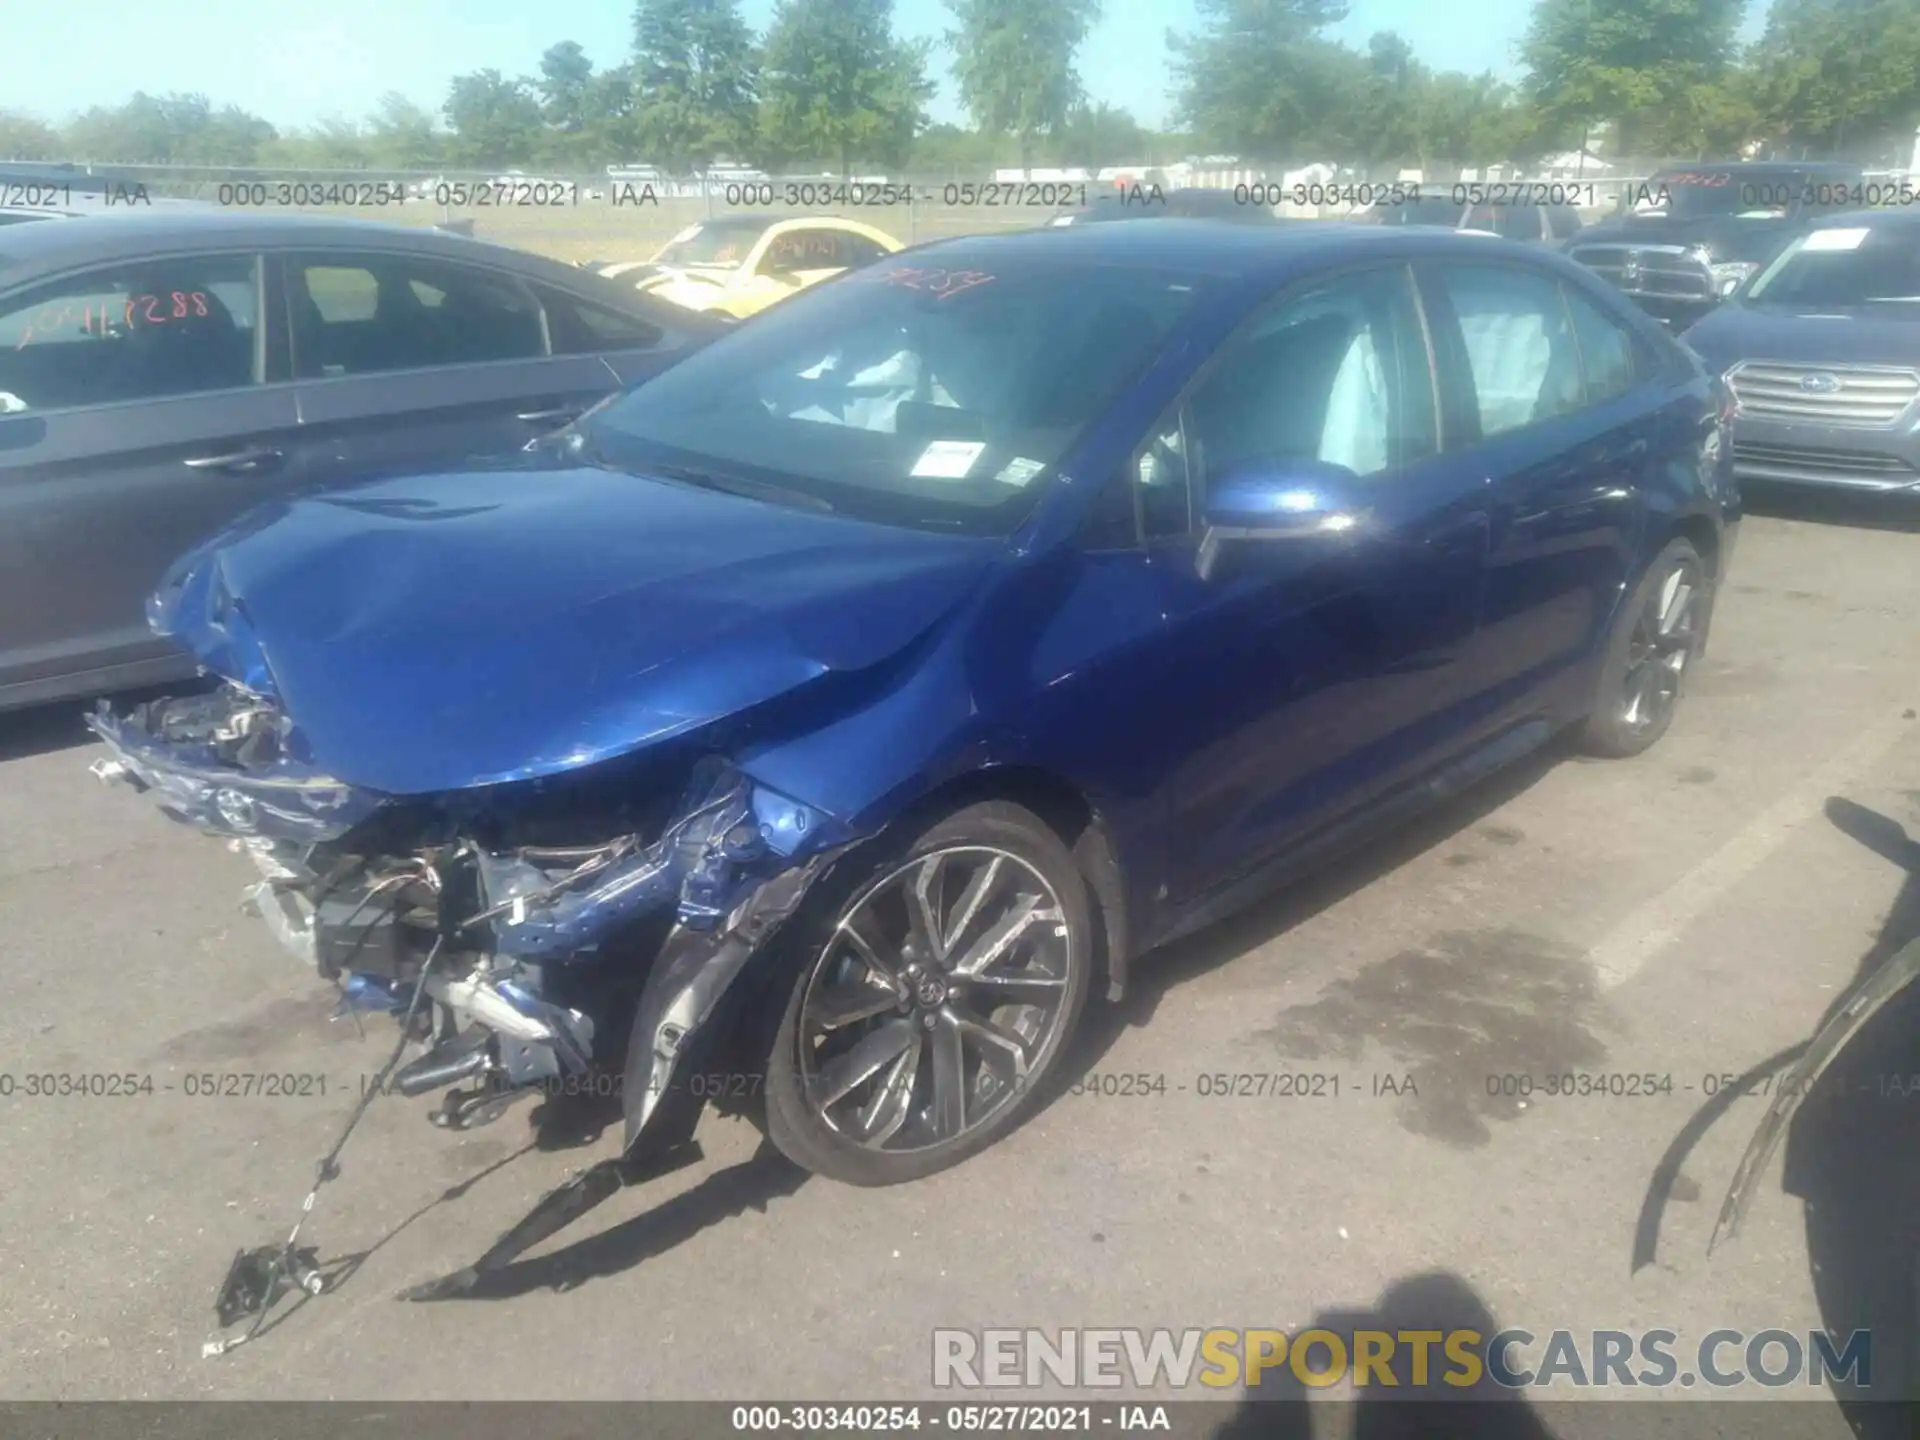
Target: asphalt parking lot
x=1685, y=915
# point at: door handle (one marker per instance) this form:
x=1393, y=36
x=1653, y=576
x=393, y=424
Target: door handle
x=540, y=417
x=239, y=460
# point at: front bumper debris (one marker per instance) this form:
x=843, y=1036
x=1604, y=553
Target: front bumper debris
x=1870, y=996
x=503, y=959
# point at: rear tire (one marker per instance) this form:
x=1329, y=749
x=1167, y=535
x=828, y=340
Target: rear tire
x=931, y=992
x=1656, y=637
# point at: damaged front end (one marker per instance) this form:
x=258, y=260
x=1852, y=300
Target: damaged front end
x=521, y=952
x=366, y=887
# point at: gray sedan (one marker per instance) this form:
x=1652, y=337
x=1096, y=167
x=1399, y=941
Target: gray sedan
x=160, y=374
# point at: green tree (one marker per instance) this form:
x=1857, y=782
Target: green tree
x=1096, y=136
x=401, y=135
x=1840, y=76
x=1632, y=62
x=169, y=130
x=954, y=148
x=1258, y=80
x=495, y=121
x=1468, y=120
x=1380, y=125
x=694, y=81
x=27, y=137
x=566, y=80
x=836, y=85
x=1013, y=62
x=332, y=144
x=607, y=128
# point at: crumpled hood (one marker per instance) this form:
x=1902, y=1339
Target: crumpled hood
x=1871, y=335
x=435, y=633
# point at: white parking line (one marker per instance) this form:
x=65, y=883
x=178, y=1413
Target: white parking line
x=1662, y=920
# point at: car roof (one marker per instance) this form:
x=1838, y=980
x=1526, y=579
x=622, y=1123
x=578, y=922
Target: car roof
x=747, y=220
x=133, y=233
x=1252, y=253
x=1757, y=167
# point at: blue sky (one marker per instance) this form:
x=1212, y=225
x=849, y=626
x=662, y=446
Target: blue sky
x=295, y=61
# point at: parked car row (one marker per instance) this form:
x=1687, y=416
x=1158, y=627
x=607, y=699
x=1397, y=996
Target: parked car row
x=239, y=356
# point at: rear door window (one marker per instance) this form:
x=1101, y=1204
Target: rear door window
x=360, y=315
x=1610, y=355
x=1521, y=355
x=580, y=327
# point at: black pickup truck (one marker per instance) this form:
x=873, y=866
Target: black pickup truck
x=1685, y=238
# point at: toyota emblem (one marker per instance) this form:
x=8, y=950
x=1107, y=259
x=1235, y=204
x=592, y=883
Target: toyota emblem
x=1820, y=384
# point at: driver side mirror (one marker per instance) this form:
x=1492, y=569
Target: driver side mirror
x=1268, y=501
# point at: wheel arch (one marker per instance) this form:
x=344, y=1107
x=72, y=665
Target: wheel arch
x=738, y=1033
x=1698, y=531
x=1082, y=827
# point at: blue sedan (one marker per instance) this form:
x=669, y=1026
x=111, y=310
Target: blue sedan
x=866, y=692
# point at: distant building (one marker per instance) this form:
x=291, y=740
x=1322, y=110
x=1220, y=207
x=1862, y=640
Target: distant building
x=1573, y=165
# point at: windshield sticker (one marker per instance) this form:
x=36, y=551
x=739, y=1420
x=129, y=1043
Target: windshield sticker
x=1836, y=239
x=1020, y=471
x=941, y=284
x=947, y=459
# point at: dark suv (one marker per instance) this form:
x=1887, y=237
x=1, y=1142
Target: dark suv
x=1686, y=238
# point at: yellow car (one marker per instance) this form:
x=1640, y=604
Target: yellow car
x=738, y=265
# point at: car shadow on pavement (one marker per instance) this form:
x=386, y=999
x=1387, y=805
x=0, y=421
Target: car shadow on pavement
x=755, y=1182
x=1853, y=1158
x=43, y=729
x=1277, y=1407
x=1156, y=974
x=1899, y=513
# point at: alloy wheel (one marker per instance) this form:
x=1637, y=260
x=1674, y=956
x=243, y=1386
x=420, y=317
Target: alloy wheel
x=1662, y=643
x=939, y=994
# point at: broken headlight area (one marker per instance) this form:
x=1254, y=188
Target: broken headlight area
x=228, y=763
x=531, y=918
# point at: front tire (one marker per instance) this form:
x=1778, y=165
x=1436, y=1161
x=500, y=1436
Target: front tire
x=933, y=992
x=1656, y=637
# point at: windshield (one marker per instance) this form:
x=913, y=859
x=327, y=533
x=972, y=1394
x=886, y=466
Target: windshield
x=1689, y=194
x=714, y=242
x=916, y=394
x=1840, y=268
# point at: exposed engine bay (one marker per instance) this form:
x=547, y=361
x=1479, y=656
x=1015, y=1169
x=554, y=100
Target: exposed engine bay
x=521, y=934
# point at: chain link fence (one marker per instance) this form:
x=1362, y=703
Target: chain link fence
x=617, y=214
